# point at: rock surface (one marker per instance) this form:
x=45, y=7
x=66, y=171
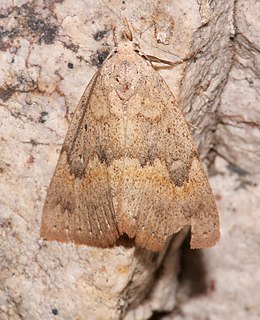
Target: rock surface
x=49, y=50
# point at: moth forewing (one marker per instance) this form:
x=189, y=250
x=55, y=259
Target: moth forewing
x=128, y=165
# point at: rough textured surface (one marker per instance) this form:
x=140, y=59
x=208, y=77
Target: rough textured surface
x=48, y=53
x=223, y=282
x=238, y=131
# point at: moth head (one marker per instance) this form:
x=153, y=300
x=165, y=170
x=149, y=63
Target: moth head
x=124, y=37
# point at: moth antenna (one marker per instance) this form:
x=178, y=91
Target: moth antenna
x=169, y=64
x=115, y=37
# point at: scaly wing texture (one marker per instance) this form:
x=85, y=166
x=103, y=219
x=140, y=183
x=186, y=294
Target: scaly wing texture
x=164, y=186
x=79, y=206
x=128, y=165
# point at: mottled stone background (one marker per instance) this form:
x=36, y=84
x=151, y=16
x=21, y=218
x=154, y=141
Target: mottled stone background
x=48, y=52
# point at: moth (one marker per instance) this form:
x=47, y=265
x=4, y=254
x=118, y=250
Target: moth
x=128, y=164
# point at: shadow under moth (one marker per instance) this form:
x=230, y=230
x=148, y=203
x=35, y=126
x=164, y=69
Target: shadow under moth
x=128, y=164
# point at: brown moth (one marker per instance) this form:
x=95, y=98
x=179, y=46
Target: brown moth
x=128, y=164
